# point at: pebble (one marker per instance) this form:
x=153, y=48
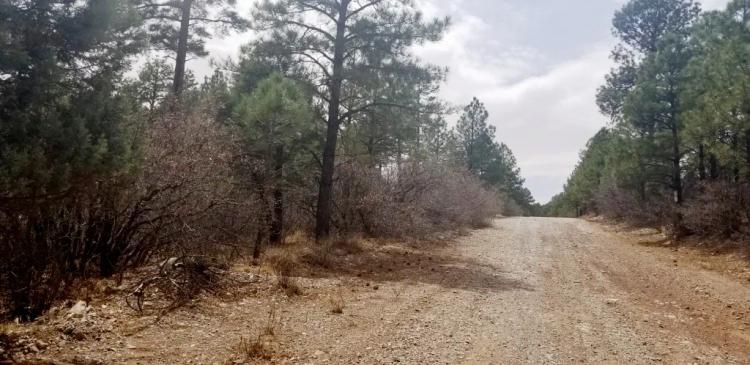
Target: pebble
x=612, y=301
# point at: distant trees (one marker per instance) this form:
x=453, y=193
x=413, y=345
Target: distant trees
x=679, y=135
x=153, y=85
x=475, y=137
x=491, y=161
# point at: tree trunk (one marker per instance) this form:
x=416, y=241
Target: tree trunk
x=262, y=226
x=277, y=221
x=470, y=149
x=735, y=160
x=265, y=214
x=747, y=155
x=258, y=243
x=701, y=162
x=399, y=154
x=325, y=194
x=713, y=167
x=182, y=47
x=642, y=188
x=676, y=182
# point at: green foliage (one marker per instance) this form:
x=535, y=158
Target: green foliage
x=163, y=19
x=491, y=161
x=357, y=57
x=641, y=24
x=679, y=143
x=717, y=88
x=66, y=140
x=59, y=57
x=277, y=113
x=599, y=164
x=100, y=172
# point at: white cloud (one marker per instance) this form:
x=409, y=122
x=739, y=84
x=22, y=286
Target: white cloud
x=706, y=4
x=714, y=4
x=543, y=110
x=547, y=119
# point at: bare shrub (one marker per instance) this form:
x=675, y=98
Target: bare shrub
x=289, y=285
x=511, y=208
x=178, y=281
x=413, y=202
x=625, y=205
x=719, y=209
x=460, y=200
x=166, y=203
x=186, y=186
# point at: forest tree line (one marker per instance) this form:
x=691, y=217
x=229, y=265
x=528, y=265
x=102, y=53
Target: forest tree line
x=112, y=154
x=677, y=151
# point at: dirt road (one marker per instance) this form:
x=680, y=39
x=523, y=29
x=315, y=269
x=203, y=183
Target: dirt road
x=556, y=291
x=526, y=291
x=577, y=294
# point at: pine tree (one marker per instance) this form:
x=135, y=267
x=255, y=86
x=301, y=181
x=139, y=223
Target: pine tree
x=181, y=27
x=346, y=44
x=65, y=138
x=274, y=122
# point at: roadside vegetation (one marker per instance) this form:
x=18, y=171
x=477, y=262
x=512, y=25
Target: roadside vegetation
x=677, y=151
x=113, y=155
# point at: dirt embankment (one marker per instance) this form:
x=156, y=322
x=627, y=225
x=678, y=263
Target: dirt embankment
x=526, y=291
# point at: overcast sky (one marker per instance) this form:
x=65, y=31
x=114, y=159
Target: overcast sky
x=536, y=64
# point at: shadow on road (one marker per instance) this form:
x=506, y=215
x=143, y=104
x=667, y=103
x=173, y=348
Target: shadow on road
x=427, y=264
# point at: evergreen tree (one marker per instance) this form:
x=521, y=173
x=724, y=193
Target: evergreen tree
x=716, y=93
x=273, y=122
x=65, y=138
x=491, y=161
x=153, y=84
x=57, y=58
x=347, y=44
x=181, y=27
x=475, y=136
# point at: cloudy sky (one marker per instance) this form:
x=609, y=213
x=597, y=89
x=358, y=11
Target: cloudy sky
x=536, y=64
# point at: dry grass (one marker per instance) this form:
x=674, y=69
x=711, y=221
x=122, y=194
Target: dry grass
x=283, y=263
x=321, y=256
x=300, y=255
x=290, y=286
x=337, y=304
x=259, y=347
x=269, y=329
x=248, y=350
x=325, y=255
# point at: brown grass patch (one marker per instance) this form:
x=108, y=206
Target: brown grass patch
x=261, y=347
x=283, y=263
x=337, y=304
x=251, y=349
